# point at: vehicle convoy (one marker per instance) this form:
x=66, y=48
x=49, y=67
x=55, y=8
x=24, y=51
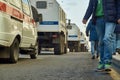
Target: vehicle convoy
x=74, y=38
x=52, y=31
x=18, y=31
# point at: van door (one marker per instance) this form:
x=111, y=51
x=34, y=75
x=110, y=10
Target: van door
x=29, y=33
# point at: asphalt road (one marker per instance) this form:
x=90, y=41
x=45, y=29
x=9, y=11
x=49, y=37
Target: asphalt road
x=71, y=66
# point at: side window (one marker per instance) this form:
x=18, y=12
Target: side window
x=41, y=4
x=4, y=0
x=16, y=3
x=34, y=11
x=26, y=8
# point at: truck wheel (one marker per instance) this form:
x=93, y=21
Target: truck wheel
x=34, y=53
x=14, y=51
x=57, y=50
x=39, y=48
x=65, y=50
x=33, y=56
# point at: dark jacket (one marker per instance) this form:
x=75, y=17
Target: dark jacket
x=118, y=9
x=109, y=9
x=91, y=32
x=91, y=10
x=117, y=29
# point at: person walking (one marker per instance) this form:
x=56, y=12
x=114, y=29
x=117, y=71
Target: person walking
x=104, y=16
x=118, y=41
x=106, y=33
x=117, y=29
x=93, y=38
x=114, y=44
x=117, y=32
x=95, y=10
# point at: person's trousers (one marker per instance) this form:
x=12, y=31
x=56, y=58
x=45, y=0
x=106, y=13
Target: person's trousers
x=105, y=31
x=94, y=48
x=118, y=41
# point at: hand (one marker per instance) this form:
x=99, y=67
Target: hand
x=118, y=21
x=84, y=21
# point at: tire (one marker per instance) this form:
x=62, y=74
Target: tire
x=57, y=50
x=32, y=56
x=39, y=47
x=14, y=51
x=34, y=53
x=65, y=50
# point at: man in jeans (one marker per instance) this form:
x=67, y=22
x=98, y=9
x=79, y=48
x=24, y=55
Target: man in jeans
x=117, y=32
x=93, y=38
x=104, y=17
x=118, y=42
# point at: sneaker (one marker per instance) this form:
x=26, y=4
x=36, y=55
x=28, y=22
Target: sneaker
x=118, y=50
x=100, y=68
x=114, y=53
x=107, y=67
x=97, y=56
x=93, y=57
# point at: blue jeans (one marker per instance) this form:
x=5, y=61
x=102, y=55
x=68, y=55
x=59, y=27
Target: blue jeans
x=94, y=47
x=118, y=41
x=114, y=43
x=105, y=31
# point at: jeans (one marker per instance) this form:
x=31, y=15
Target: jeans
x=105, y=31
x=118, y=41
x=94, y=47
x=108, y=41
x=114, y=43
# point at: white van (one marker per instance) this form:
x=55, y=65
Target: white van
x=18, y=31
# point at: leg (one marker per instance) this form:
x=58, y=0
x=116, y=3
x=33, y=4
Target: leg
x=92, y=49
x=97, y=48
x=118, y=42
x=100, y=29
x=114, y=44
x=108, y=44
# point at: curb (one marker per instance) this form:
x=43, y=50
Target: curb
x=116, y=60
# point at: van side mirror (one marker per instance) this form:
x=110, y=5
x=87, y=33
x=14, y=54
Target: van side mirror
x=36, y=19
x=40, y=17
x=69, y=27
x=35, y=14
x=69, y=24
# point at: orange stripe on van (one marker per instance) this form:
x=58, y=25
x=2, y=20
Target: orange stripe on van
x=3, y=7
x=11, y=11
x=15, y=13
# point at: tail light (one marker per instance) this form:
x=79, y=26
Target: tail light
x=54, y=36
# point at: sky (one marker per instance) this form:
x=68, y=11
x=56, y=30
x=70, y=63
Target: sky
x=75, y=10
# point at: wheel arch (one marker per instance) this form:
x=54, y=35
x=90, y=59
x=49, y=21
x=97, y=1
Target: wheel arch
x=18, y=37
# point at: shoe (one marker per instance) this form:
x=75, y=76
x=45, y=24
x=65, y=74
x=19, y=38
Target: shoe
x=100, y=68
x=93, y=57
x=118, y=50
x=97, y=56
x=114, y=53
x=107, y=67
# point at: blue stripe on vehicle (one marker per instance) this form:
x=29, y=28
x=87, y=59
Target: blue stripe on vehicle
x=73, y=36
x=49, y=23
